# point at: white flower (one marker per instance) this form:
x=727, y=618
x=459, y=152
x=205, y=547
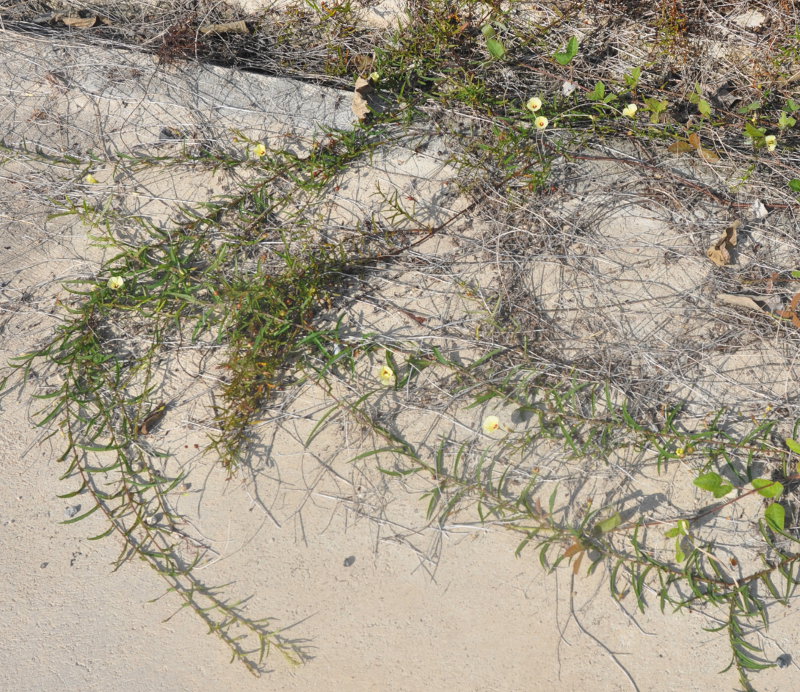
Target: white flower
x=568, y=87
x=534, y=104
x=630, y=110
x=541, y=122
x=771, y=141
x=116, y=282
x=491, y=424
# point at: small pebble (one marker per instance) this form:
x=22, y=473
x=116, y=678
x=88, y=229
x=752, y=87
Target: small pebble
x=72, y=511
x=43, y=565
x=348, y=561
x=783, y=660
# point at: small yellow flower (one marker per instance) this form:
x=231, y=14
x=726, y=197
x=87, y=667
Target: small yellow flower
x=541, y=122
x=771, y=141
x=116, y=282
x=680, y=452
x=91, y=179
x=386, y=376
x=534, y=104
x=259, y=150
x=491, y=424
x=630, y=110
x=374, y=77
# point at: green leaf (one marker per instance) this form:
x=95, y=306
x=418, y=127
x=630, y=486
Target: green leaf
x=92, y=511
x=610, y=524
x=775, y=515
x=488, y=31
x=712, y=482
x=680, y=556
x=785, y=120
x=767, y=488
x=632, y=79
x=755, y=133
x=570, y=51
x=655, y=107
x=496, y=48
x=749, y=108
x=723, y=490
x=791, y=106
x=794, y=445
x=704, y=107
x=599, y=92
x=708, y=481
x=672, y=533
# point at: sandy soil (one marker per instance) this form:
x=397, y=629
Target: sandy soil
x=335, y=552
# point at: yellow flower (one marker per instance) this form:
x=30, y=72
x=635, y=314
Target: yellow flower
x=259, y=150
x=680, y=452
x=386, y=376
x=771, y=141
x=541, y=122
x=116, y=282
x=630, y=110
x=374, y=77
x=534, y=104
x=491, y=424
x=91, y=179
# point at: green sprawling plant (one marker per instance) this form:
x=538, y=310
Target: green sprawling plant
x=255, y=276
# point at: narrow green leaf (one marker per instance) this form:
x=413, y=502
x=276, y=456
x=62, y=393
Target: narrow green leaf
x=680, y=556
x=102, y=535
x=92, y=511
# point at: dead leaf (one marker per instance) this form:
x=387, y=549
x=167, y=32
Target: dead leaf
x=680, y=148
x=791, y=313
x=152, y=419
x=80, y=22
x=745, y=302
x=363, y=63
x=360, y=99
x=708, y=155
x=694, y=140
x=759, y=210
x=720, y=252
x=239, y=27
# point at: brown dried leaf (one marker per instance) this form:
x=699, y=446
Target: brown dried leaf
x=239, y=27
x=80, y=22
x=680, y=148
x=577, y=564
x=745, y=302
x=574, y=549
x=720, y=252
x=152, y=419
x=694, y=140
x=708, y=155
x=360, y=104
